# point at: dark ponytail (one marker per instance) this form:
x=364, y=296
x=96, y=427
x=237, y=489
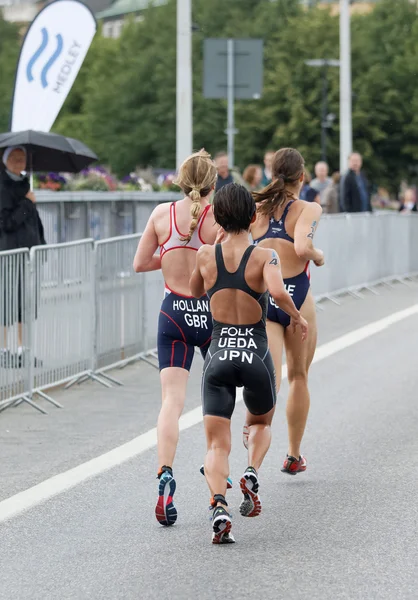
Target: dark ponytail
x=288, y=166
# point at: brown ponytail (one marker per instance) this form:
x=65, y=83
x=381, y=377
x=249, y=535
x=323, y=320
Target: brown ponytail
x=288, y=166
x=197, y=177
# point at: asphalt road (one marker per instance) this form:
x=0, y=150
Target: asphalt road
x=345, y=529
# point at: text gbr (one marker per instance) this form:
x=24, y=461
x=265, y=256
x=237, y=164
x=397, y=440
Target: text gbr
x=199, y=320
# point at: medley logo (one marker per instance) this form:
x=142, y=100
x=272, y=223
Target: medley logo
x=50, y=61
x=53, y=51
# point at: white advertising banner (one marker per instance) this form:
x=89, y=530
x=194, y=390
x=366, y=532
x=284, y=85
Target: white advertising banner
x=51, y=56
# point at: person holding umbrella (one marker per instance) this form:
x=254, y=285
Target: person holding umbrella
x=20, y=227
x=20, y=224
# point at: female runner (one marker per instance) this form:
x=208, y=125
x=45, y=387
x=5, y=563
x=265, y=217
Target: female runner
x=184, y=322
x=236, y=276
x=288, y=225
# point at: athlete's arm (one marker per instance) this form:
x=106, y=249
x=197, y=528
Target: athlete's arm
x=145, y=257
x=196, y=283
x=305, y=229
x=273, y=279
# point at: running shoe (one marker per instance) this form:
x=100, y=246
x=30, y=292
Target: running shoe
x=165, y=511
x=245, y=435
x=251, y=503
x=228, y=481
x=293, y=465
x=221, y=523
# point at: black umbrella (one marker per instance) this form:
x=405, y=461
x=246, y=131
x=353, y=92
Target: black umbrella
x=50, y=151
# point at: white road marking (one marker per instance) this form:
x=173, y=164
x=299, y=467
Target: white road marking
x=19, y=503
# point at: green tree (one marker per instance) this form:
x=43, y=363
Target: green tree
x=289, y=112
x=123, y=103
x=385, y=62
x=9, y=52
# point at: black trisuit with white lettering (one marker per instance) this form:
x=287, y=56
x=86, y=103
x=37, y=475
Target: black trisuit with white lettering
x=238, y=355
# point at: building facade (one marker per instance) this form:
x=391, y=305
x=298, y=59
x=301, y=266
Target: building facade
x=115, y=15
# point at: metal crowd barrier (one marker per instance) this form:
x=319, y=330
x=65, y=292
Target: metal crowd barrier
x=63, y=322
x=84, y=311
x=120, y=310
x=15, y=382
x=71, y=216
x=363, y=250
x=127, y=306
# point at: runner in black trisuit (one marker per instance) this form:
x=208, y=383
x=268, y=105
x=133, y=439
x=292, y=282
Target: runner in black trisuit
x=236, y=276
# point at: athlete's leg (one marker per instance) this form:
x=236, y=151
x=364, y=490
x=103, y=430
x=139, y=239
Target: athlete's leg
x=218, y=437
x=259, y=438
x=260, y=399
x=174, y=383
x=275, y=334
x=299, y=356
x=218, y=405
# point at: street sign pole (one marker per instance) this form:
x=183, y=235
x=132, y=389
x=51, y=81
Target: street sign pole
x=231, y=99
x=324, y=64
x=324, y=114
x=184, y=119
x=233, y=70
x=346, y=127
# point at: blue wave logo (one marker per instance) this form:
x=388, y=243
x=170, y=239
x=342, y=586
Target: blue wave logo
x=50, y=62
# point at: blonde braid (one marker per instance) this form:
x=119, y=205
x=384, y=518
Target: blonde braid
x=197, y=176
x=195, y=211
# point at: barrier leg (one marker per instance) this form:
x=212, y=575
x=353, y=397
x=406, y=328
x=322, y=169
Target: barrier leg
x=334, y=300
x=356, y=294
x=404, y=281
x=74, y=381
x=17, y=402
x=101, y=381
x=372, y=291
x=85, y=377
x=49, y=399
x=112, y=379
x=33, y=404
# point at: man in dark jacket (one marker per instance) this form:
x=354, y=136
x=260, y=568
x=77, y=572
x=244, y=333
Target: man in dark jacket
x=20, y=227
x=356, y=192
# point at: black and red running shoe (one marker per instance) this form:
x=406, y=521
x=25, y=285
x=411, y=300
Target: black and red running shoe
x=293, y=466
x=251, y=503
x=221, y=522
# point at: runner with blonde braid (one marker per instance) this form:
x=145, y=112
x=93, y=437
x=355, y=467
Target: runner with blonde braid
x=184, y=322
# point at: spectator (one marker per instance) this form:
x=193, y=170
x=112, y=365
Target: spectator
x=225, y=173
x=331, y=203
x=356, y=193
x=321, y=181
x=409, y=201
x=20, y=227
x=267, y=171
x=253, y=176
x=307, y=192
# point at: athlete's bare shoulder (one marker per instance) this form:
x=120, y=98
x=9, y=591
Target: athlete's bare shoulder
x=205, y=251
x=264, y=255
x=310, y=208
x=161, y=210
